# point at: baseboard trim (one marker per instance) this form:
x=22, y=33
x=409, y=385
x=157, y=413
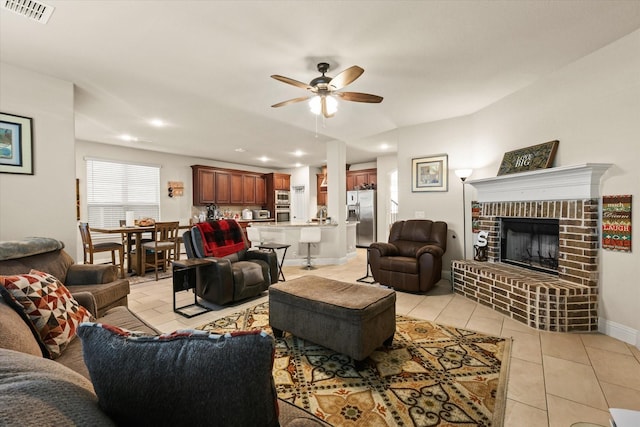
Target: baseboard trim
x=619, y=331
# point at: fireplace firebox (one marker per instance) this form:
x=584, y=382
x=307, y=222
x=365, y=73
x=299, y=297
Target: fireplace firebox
x=531, y=243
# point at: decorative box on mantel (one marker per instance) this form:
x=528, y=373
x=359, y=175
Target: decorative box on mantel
x=564, y=302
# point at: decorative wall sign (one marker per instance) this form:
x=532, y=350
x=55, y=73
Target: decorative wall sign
x=475, y=216
x=616, y=223
x=430, y=173
x=530, y=158
x=175, y=188
x=16, y=144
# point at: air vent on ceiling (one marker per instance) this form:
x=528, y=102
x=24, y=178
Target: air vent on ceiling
x=31, y=9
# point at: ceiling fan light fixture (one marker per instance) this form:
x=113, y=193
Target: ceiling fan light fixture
x=315, y=105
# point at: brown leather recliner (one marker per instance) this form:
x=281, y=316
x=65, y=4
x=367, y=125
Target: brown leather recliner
x=412, y=260
x=232, y=277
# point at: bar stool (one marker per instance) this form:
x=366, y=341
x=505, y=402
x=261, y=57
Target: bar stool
x=254, y=236
x=309, y=235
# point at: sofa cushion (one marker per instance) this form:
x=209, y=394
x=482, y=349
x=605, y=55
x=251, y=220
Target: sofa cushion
x=15, y=331
x=187, y=377
x=54, y=313
x=28, y=246
x=55, y=263
x=35, y=391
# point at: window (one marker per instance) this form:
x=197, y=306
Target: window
x=114, y=188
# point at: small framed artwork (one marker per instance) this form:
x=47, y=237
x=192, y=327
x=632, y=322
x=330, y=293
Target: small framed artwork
x=430, y=173
x=16, y=145
x=529, y=158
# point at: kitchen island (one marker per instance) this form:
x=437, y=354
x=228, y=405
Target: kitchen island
x=334, y=247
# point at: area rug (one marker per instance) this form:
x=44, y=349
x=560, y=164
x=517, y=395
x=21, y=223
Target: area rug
x=432, y=375
x=150, y=276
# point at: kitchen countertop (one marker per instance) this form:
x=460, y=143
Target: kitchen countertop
x=302, y=224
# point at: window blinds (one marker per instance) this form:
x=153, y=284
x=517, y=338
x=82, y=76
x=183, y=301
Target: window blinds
x=114, y=188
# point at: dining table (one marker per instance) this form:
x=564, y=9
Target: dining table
x=133, y=233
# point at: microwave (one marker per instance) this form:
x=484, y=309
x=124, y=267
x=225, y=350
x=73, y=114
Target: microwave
x=283, y=197
x=261, y=214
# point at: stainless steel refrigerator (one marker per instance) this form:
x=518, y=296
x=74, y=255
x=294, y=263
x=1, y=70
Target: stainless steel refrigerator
x=361, y=206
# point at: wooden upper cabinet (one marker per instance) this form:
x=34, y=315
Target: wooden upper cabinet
x=249, y=189
x=281, y=181
x=237, y=194
x=357, y=179
x=203, y=185
x=261, y=191
x=223, y=187
x=322, y=191
x=231, y=187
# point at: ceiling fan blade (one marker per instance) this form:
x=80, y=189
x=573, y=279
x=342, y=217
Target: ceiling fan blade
x=346, y=77
x=291, y=81
x=291, y=101
x=359, y=97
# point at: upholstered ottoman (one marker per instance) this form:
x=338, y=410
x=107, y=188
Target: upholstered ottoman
x=344, y=317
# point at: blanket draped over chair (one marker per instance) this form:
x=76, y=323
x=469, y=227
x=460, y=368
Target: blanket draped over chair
x=221, y=238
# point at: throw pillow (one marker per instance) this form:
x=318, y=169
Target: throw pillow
x=187, y=377
x=48, y=305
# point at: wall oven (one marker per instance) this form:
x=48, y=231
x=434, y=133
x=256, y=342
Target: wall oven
x=283, y=213
x=283, y=198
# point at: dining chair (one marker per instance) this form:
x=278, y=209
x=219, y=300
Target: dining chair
x=89, y=248
x=165, y=244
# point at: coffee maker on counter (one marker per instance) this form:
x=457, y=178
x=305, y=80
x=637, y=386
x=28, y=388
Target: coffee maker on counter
x=212, y=212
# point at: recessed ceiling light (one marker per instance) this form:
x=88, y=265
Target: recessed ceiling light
x=298, y=153
x=157, y=123
x=126, y=137
x=264, y=159
x=240, y=150
x=384, y=146
x=298, y=165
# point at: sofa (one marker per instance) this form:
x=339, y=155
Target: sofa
x=48, y=255
x=411, y=260
x=38, y=391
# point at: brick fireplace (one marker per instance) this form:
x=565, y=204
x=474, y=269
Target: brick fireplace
x=564, y=302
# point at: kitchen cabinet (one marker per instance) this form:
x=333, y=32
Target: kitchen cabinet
x=261, y=191
x=322, y=191
x=223, y=187
x=279, y=181
x=249, y=189
x=236, y=182
x=203, y=185
x=231, y=187
x=356, y=180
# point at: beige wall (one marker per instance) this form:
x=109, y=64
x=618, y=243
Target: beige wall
x=42, y=204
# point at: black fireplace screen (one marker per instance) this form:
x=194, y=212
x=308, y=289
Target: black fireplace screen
x=530, y=242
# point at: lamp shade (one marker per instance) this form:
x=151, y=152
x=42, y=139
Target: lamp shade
x=463, y=174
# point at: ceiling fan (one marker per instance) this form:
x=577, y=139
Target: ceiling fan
x=325, y=90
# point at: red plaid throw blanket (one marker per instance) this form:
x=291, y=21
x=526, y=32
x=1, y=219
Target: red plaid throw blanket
x=220, y=238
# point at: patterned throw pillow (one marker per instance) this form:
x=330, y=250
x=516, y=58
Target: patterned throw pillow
x=48, y=304
x=188, y=377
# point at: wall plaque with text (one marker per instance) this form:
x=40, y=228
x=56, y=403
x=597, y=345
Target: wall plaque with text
x=530, y=158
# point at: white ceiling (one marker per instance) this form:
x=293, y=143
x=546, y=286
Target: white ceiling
x=204, y=66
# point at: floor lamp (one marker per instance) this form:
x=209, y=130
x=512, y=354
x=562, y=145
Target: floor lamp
x=463, y=174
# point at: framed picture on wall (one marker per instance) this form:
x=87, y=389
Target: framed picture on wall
x=16, y=144
x=430, y=173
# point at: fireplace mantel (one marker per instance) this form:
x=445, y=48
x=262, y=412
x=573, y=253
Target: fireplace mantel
x=560, y=183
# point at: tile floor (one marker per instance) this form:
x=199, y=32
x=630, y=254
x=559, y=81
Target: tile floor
x=555, y=379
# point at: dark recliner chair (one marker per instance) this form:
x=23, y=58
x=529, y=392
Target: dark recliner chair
x=237, y=276
x=412, y=260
